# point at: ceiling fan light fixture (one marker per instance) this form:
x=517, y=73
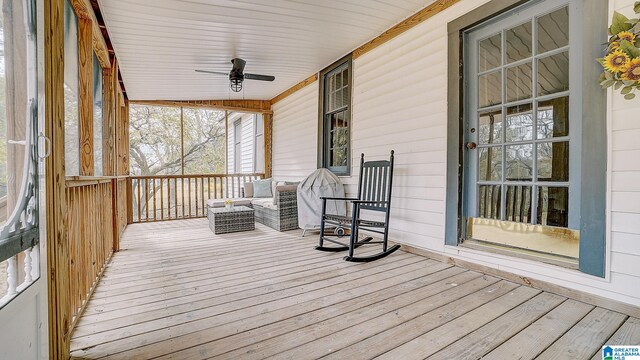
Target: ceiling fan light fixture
x=236, y=85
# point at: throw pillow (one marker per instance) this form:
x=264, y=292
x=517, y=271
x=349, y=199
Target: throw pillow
x=262, y=188
x=248, y=190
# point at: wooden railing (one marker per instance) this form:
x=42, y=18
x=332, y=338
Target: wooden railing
x=90, y=236
x=172, y=197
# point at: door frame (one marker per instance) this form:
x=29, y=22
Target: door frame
x=592, y=103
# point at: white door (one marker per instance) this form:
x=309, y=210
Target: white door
x=23, y=294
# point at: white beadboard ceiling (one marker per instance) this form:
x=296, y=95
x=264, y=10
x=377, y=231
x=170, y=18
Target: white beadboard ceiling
x=159, y=43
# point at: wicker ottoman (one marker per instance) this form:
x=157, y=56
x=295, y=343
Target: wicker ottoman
x=238, y=218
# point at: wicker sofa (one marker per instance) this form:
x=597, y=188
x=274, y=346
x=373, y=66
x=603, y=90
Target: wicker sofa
x=279, y=212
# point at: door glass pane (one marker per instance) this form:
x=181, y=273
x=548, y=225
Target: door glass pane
x=19, y=260
x=553, y=161
x=490, y=164
x=490, y=53
x=553, y=74
x=553, y=118
x=553, y=30
x=519, y=124
x=519, y=160
x=490, y=127
x=518, y=203
x=71, y=142
x=553, y=206
x=489, y=201
x=490, y=89
x=519, y=82
x=519, y=42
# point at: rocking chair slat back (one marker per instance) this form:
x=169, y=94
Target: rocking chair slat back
x=375, y=183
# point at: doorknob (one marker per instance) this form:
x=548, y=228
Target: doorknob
x=471, y=145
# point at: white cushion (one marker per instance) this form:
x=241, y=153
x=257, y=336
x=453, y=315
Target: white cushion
x=218, y=203
x=264, y=202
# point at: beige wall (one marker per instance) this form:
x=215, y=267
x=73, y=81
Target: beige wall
x=400, y=103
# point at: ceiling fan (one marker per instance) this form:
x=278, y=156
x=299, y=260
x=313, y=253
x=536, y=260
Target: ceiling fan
x=236, y=76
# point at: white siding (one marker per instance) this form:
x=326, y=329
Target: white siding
x=400, y=103
x=295, y=135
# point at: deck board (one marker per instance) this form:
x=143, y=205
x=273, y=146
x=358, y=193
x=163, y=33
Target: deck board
x=176, y=291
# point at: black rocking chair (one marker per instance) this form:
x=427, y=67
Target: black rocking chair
x=374, y=194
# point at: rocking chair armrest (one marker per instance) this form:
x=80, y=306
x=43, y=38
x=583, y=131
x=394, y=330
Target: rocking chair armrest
x=369, y=202
x=337, y=198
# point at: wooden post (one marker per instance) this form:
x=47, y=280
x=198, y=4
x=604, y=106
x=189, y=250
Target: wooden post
x=268, y=137
x=56, y=243
x=109, y=120
x=85, y=95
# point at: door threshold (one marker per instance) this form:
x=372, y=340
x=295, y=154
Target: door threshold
x=553, y=259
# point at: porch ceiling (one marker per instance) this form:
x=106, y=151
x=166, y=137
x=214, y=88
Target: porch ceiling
x=159, y=43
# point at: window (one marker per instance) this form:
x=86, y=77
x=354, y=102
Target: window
x=534, y=164
x=72, y=143
x=258, y=163
x=97, y=116
x=336, y=117
x=237, y=146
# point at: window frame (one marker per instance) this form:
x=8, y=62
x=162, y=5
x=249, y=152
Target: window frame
x=591, y=108
x=323, y=129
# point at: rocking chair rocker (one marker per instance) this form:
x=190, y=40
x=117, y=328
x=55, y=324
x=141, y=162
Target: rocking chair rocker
x=374, y=194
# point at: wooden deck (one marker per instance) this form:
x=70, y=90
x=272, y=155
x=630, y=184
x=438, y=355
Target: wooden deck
x=176, y=291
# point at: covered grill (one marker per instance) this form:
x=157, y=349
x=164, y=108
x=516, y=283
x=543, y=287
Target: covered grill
x=321, y=182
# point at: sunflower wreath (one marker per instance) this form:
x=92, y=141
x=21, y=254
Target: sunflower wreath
x=622, y=60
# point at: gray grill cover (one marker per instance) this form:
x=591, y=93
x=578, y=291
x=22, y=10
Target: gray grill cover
x=321, y=182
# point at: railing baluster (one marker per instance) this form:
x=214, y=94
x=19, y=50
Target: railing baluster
x=215, y=187
x=209, y=187
x=189, y=194
x=161, y=200
x=146, y=199
x=204, y=210
x=139, y=198
x=155, y=211
x=12, y=275
x=182, y=195
x=175, y=194
x=195, y=195
x=27, y=267
x=35, y=262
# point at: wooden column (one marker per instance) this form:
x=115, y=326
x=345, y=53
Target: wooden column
x=57, y=274
x=268, y=137
x=85, y=95
x=109, y=122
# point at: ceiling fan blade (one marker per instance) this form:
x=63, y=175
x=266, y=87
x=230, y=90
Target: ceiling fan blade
x=259, y=77
x=238, y=65
x=213, y=72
